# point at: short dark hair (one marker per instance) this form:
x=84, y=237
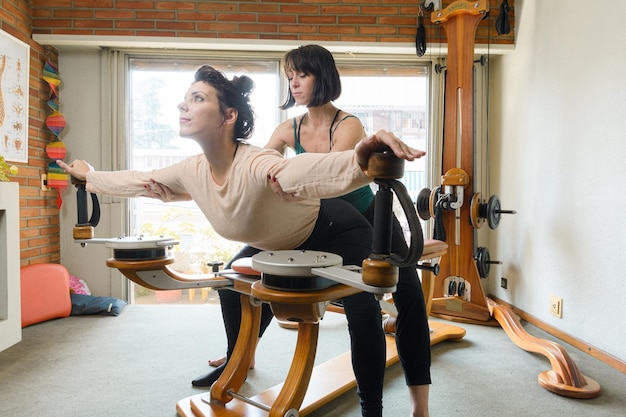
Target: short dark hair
x=235, y=93
x=318, y=61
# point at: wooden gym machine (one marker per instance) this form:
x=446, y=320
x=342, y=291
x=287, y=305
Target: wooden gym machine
x=459, y=210
x=298, y=285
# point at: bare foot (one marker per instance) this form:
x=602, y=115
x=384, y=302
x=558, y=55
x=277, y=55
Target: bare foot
x=218, y=362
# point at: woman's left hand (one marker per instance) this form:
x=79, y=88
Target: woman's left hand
x=275, y=185
x=384, y=139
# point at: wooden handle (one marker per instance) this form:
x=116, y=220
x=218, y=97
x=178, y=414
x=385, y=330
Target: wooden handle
x=83, y=232
x=385, y=165
x=76, y=181
x=379, y=273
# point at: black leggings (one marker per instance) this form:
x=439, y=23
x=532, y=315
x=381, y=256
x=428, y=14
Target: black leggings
x=412, y=332
x=342, y=230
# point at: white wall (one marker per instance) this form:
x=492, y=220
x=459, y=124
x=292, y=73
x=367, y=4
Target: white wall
x=10, y=300
x=557, y=150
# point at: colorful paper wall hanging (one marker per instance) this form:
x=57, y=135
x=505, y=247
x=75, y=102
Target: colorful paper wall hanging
x=56, y=177
x=56, y=150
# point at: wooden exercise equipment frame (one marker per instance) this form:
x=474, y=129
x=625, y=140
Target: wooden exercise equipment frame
x=305, y=388
x=464, y=210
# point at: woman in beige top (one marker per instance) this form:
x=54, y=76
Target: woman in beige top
x=229, y=182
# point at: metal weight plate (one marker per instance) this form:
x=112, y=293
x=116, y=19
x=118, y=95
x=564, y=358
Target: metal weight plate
x=452, y=287
x=423, y=204
x=493, y=212
x=461, y=289
x=483, y=262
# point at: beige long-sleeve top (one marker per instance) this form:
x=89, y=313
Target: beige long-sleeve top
x=244, y=208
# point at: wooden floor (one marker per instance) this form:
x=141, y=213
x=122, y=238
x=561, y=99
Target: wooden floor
x=329, y=380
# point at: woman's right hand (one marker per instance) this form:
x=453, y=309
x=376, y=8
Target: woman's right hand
x=77, y=169
x=164, y=193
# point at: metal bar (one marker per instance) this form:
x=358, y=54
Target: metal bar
x=351, y=278
x=249, y=401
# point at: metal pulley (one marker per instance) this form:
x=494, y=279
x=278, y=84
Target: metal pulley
x=484, y=262
x=426, y=202
x=448, y=196
x=429, y=204
x=490, y=211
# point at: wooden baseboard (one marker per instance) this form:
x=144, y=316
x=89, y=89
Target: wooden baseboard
x=583, y=346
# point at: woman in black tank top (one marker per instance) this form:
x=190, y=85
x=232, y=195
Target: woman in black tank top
x=315, y=83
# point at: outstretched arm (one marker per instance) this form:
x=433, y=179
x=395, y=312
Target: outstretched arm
x=315, y=175
x=139, y=185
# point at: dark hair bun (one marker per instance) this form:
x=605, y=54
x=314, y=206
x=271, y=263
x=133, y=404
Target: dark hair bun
x=243, y=84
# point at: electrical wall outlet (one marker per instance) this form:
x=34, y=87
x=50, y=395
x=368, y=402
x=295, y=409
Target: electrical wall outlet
x=504, y=283
x=44, y=182
x=556, y=306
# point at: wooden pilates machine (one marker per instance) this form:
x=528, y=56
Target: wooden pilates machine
x=459, y=211
x=298, y=285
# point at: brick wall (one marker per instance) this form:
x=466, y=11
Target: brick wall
x=39, y=216
x=307, y=20
x=310, y=21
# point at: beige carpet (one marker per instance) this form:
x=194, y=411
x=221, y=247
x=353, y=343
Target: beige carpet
x=142, y=362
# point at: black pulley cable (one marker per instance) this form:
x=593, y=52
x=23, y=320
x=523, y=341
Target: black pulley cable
x=383, y=224
x=503, y=25
x=439, y=231
x=420, y=36
x=95, y=210
x=83, y=211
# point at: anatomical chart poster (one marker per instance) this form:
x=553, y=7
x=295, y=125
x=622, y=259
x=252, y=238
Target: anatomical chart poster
x=14, y=73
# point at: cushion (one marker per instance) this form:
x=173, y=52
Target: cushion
x=45, y=293
x=88, y=304
x=78, y=286
x=244, y=266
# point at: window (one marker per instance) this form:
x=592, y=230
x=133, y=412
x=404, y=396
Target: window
x=392, y=99
x=392, y=96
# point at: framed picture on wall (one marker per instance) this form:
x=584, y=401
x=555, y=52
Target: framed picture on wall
x=14, y=73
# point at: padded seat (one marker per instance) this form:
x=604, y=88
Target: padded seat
x=45, y=293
